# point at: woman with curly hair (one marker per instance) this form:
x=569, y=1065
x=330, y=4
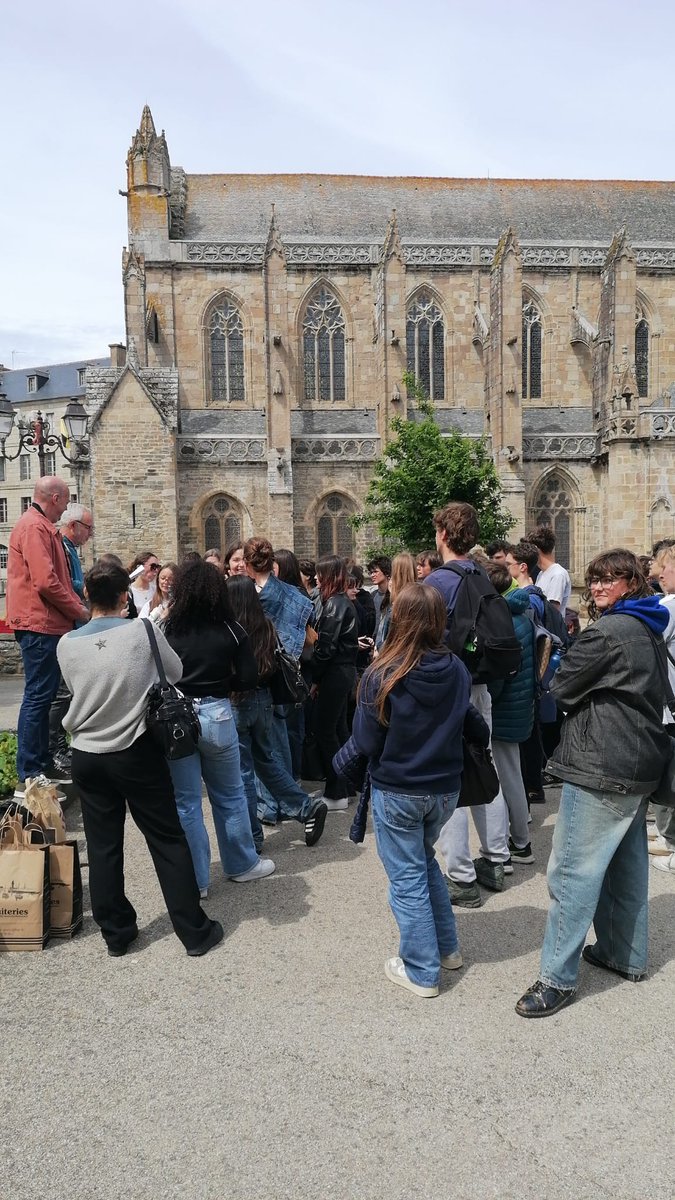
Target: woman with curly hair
x=612, y=752
x=217, y=660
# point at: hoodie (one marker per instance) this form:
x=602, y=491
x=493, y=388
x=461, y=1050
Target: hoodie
x=420, y=752
x=647, y=609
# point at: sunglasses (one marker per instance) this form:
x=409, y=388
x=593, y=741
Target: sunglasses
x=153, y=567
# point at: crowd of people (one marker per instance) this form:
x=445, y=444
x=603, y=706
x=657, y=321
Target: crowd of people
x=459, y=644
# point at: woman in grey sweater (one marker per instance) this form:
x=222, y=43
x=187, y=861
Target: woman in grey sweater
x=108, y=668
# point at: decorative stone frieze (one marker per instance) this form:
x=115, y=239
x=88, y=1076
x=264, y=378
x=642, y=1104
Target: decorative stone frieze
x=241, y=253
x=437, y=256
x=327, y=449
x=351, y=254
x=221, y=450
x=571, y=445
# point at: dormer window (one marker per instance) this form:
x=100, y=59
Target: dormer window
x=81, y=376
x=36, y=381
x=32, y=383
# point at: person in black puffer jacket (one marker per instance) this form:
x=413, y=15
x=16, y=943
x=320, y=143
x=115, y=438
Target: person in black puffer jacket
x=513, y=715
x=333, y=670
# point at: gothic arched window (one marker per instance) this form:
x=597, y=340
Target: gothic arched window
x=226, y=354
x=425, y=344
x=531, y=351
x=641, y=351
x=221, y=523
x=554, y=507
x=323, y=330
x=334, y=534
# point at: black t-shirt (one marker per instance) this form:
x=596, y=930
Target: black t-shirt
x=217, y=660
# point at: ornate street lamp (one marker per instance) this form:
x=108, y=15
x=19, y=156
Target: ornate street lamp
x=37, y=434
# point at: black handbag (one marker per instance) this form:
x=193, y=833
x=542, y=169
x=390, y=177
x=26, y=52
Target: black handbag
x=171, y=718
x=287, y=685
x=664, y=793
x=480, y=782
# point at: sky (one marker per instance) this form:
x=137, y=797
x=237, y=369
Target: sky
x=506, y=88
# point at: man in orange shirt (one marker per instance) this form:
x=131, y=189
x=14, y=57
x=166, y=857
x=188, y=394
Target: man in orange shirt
x=41, y=607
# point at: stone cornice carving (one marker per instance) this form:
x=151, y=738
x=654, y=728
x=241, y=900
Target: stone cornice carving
x=582, y=331
x=421, y=254
x=315, y=448
x=661, y=424
x=556, y=445
x=222, y=450
x=244, y=253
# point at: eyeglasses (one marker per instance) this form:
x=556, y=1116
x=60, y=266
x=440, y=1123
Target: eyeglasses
x=89, y=527
x=605, y=583
x=153, y=566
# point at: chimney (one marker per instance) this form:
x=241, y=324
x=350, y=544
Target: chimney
x=118, y=354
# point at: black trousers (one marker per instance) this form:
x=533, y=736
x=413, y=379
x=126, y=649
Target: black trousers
x=532, y=762
x=58, y=742
x=139, y=777
x=331, y=722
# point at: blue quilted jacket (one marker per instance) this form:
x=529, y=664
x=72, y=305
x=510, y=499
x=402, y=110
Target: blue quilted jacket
x=513, y=699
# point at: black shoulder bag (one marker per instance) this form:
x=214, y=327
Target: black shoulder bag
x=287, y=685
x=665, y=792
x=171, y=718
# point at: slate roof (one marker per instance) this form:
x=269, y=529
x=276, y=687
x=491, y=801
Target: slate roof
x=357, y=208
x=61, y=383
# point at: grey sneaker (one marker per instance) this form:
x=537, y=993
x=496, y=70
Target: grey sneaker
x=464, y=895
x=489, y=874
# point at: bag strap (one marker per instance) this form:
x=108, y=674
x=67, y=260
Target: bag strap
x=155, y=652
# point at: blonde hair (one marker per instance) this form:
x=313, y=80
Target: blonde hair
x=403, y=572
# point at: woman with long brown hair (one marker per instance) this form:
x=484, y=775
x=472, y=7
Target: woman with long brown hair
x=333, y=670
x=411, y=711
x=612, y=751
x=403, y=572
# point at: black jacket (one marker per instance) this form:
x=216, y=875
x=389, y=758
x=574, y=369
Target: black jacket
x=610, y=687
x=338, y=642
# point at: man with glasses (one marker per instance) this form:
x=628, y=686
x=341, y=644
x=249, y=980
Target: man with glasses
x=77, y=525
x=41, y=607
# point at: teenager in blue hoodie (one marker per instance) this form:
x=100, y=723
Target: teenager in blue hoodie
x=612, y=753
x=412, y=707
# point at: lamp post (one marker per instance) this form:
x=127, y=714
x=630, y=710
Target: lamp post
x=37, y=434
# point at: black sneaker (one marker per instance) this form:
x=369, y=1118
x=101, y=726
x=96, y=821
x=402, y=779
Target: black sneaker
x=119, y=949
x=522, y=855
x=315, y=823
x=543, y=1000
x=464, y=895
x=490, y=875
x=589, y=955
x=213, y=937
x=61, y=772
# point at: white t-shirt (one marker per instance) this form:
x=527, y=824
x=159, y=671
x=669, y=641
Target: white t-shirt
x=556, y=585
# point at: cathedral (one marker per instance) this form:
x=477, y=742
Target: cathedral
x=270, y=320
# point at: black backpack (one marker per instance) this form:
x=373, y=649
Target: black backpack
x=552, y=618
x=481, y=629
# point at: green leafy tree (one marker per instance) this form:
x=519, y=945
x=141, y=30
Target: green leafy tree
x=421, y=471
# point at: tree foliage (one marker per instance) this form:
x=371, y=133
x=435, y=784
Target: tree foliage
x=421, y=470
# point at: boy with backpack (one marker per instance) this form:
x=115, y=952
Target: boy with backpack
x=480, y=631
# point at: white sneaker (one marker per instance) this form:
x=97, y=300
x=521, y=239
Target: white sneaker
x=203, y=893
x=259, y=870
x=452, y=962
x=394, y=969
x=42, y=781
x=659, y=845
x=665, y=864
x=337, y=805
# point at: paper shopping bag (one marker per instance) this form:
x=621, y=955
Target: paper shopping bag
x=65, y=912
x=24, y=893
x=42, y=801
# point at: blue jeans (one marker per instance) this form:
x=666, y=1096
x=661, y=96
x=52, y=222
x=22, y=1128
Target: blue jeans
x=41, y=683
x=406, y=830
x=268, y=805
x=256, y=726
x=597, y=874
x=216, y=760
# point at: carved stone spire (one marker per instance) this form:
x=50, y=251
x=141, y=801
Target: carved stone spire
x=274, y=244
x=392, y=247
x=620, y=248
x=148, y=165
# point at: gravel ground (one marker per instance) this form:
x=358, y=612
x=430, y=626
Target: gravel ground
x=283, y=1064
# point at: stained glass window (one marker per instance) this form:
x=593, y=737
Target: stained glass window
x=334, y=534
x=641, y=352
x=425, y=345
x=531, y=352
x=221, y=523
x=226, y=342
x=324, y=348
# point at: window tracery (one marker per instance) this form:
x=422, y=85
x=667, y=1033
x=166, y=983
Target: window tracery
x=425, y=344
x=226, y=348
x=554, y=507
x=641, y=350
x=323, y=329
x=221, y=523
x=334, y=533
x=532, y=330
